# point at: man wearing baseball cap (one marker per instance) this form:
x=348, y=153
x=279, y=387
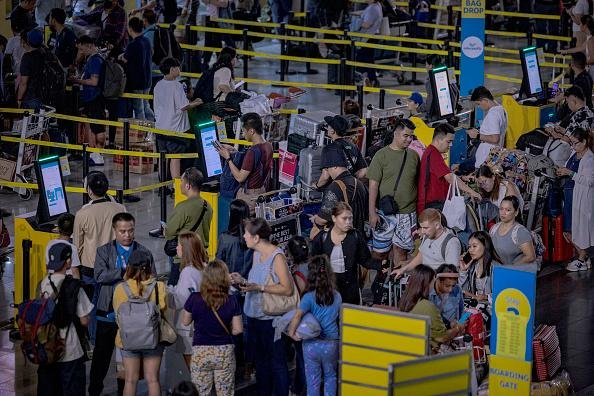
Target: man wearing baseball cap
x=340, y=132
x=67, y=376
x=343, y=188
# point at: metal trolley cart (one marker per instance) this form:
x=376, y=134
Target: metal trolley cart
x=281, y=211
x=23, y=155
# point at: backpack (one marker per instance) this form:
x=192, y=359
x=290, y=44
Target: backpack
x=112, y=79
x=139, y=320
x=52, y=79
x=165, y=45
x=539, y=247
x=42, y=343
x=205, y=85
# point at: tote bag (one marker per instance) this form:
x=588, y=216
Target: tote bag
x=454, y=208
x=274, y=304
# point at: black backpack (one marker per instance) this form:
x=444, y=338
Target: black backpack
x=112, y=79
x=205, y=86
x=165, y=45
x=52, y=79
x=65, y=310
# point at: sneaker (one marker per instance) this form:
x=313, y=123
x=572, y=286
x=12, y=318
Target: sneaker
x=578, y=265
x=96, y=159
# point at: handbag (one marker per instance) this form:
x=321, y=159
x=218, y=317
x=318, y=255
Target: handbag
x=387, y=204
x=308, y=328
x=274, y=304
x=167, y=333
x=170, y=247
x=258, y=104
x=454, y=208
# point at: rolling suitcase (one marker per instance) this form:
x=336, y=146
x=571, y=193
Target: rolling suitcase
x=310, y=161
x=547, y=353
x=557, y=249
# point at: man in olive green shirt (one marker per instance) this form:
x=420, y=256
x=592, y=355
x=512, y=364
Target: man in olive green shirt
x=186, y=215
x=394, y=231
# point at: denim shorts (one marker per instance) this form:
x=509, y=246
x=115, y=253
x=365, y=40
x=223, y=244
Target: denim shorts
x=158, y=351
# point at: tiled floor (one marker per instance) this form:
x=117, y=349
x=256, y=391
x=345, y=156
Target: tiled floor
x=563, y=299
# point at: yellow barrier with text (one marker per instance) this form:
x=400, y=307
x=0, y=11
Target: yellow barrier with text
x=371, y=340
x=448, y=374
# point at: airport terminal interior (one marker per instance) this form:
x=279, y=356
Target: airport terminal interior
x=554, y=359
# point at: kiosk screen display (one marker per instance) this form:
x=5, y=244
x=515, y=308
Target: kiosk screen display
x=442, y=89
x=532, y=71
x=212, y=159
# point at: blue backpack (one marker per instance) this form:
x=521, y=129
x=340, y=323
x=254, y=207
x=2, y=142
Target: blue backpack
x=228, y=184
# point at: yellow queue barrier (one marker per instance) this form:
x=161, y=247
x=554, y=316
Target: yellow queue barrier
x=372, y=339
x=522, y=119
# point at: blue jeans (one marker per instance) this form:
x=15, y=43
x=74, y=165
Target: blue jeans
x=321, y=361
x=89, y=284
x=272, y=373
x=173, y=273
x=141, y=107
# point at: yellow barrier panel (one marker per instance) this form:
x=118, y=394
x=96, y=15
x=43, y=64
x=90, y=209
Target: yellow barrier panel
x=550, y=37
x=397, y=38
x=373, y=338
x=439, y=374
x=247, y=23
x=401, y=49
x=436, y=26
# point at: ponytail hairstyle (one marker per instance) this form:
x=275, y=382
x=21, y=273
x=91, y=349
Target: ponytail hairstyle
x=320, y=280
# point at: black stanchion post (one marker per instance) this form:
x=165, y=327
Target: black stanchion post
x=246, y=47
x=457, y=38
x=300, y=111
x=126, y=170
x=120, y=195
x=283, y=32
x=368, y=129
x=163, y=189
x=360, y=96
x=75, y=107
x=85, y=169
x=27, y=244
x=450, y=54
x=341, y=79
x=382, y=99
x=275, y=168
x=352, y=52
x=450, y=20
x=529, y=36
x=187, y=54
x=413, y=56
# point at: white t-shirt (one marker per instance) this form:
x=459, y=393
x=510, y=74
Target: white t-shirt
x=73, y=349
x=373, y=16
x=15, y=48
x=222, y=77
x=431, y=251
x=189, y=282
x=337, y=260
x=75, y=262
x=169, y=99
x=581, y=8
x=495, y=123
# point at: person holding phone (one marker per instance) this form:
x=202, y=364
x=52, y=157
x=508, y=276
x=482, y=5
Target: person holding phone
x=476, y=267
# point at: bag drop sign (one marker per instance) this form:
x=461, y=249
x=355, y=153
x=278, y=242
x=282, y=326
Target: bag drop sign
x=473, y=9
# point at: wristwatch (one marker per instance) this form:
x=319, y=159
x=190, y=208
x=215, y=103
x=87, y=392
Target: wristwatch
x=228, y=159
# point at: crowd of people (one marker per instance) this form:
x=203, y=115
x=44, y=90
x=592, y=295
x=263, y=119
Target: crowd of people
x=383, y=214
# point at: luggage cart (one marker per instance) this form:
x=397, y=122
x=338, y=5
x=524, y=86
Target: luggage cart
x=32, y=126
x=281, y=209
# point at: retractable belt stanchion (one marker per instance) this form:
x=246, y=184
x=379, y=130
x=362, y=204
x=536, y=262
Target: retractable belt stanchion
x=341, y=78
x=413, y=56
x=360, y=95
x=450, y=20
x=352, y=56
x=450, y=53
x=27, y=244
x=283, y=32
x=187, y=55
x=120, y=195
x=85, y=169
x=246, y=47
x=126, y=167
x=75, y=97
x=529, y=36
x=163, y=189
x=382, y=98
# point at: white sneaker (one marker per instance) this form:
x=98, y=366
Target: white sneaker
x=577, y=265
x=96, y=159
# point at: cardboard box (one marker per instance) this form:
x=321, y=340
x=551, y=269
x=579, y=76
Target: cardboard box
x=135, y=136
x=139, y=165
x=7, y=168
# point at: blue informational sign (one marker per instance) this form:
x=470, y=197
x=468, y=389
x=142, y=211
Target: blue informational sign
x=514, y=293
x=472, y=54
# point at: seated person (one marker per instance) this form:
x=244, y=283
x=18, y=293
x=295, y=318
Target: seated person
x=416, y=301
x=447, y=295
x=338, y=130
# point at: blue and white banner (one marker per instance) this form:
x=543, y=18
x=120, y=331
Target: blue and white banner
x=472, y=57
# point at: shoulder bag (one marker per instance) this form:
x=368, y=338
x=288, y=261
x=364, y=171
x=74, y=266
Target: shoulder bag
x=387, y=204
x=170, y=247
x=275, y=304
x=167, y=334
x=454, y=208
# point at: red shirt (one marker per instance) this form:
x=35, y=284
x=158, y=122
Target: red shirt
x=434, y=179
x=259, y=165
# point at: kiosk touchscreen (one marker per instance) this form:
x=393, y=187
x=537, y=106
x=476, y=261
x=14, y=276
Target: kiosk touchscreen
x=442, y=95
x=52, y=193
x=531, y=80
x=210, y=160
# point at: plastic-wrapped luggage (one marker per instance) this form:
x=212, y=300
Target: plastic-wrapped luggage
x=310, y=161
